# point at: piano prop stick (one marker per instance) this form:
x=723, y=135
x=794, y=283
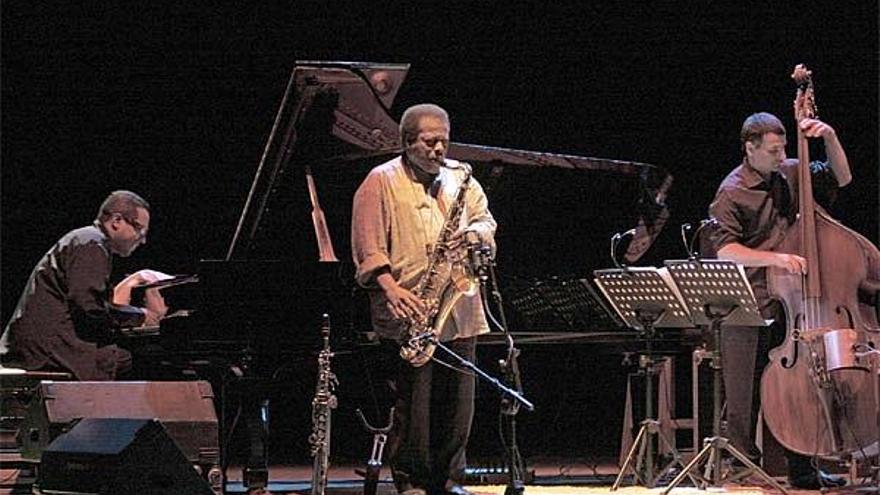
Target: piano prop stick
x=325, y=244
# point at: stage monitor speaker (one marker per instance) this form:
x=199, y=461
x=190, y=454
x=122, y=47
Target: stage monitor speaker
x=115, y=455
x=186, y=410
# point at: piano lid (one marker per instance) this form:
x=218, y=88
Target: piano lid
x=351, y=101
x=366, y=92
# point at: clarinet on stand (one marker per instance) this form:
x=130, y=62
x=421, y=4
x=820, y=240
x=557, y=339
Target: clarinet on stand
x=322, y=407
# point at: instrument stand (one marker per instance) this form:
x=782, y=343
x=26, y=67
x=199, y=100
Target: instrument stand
x=374, y=464
x=645, y=299
x=722, y=290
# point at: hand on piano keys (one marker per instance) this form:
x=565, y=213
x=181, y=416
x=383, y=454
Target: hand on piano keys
x=152, y=329
x=151, y=281
x=154, y=306
x=122, y=291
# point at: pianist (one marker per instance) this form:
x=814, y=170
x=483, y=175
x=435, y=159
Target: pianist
x=65, y=314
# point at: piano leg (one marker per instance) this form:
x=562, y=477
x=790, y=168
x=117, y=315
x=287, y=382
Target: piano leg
x=256, y=472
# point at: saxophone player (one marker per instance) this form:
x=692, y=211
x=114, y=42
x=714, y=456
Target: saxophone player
x=398, y=213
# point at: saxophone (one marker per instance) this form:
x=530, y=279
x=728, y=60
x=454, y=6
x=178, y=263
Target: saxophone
x=446, y=279
x=322, y=406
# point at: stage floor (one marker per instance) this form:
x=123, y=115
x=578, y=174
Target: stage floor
x=551, y=477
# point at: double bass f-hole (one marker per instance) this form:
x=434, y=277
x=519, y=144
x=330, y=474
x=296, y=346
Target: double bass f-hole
x=849, y=316
x=789, y=363
x=785, y=362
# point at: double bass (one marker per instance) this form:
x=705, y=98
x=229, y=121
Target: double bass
x=818, y=392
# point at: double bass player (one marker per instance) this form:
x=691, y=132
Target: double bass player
x=754, y=207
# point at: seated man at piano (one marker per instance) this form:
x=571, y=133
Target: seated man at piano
x=66, y=313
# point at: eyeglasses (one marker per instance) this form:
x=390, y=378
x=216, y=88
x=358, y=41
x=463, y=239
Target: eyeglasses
x=139, y=228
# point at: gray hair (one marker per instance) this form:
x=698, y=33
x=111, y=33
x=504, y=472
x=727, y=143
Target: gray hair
x=123, y=202
x=409, y=122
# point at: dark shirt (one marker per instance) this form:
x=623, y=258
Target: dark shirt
x=757, y=213
x=65, y=312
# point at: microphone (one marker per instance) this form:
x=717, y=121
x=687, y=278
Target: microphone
x=689, y=245
x=615, y=240
x=479, y=254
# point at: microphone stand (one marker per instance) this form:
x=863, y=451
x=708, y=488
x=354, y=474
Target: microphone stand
x=461, y=361
x=511, y=399
x=510, y=372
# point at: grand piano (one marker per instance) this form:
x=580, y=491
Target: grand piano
x=257, y=311
x=288, y=261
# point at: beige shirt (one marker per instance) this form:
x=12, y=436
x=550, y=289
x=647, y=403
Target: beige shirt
x=395, y=222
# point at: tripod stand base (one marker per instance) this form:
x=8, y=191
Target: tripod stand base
x=867, y=489
x=712, y=449
x=517, y=488
x=640, y=458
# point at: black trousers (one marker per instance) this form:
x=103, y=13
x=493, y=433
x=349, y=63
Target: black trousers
x=741, y=370
x=434, y=409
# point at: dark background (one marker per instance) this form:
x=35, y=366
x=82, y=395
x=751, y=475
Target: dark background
x=177, y=102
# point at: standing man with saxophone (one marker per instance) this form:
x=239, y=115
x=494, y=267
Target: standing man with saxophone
x=399, y=212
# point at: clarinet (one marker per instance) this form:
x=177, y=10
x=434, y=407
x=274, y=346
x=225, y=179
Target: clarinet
x=322, y=406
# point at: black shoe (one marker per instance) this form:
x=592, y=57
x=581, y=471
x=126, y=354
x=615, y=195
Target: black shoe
x=406, y=488
x=453, y=488
x=815, y=480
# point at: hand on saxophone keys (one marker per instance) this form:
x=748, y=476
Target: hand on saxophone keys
x=465, y=237
x=401, y=302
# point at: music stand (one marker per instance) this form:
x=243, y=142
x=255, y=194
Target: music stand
x=645, y=298
x=561, y=303
x=717, y=292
